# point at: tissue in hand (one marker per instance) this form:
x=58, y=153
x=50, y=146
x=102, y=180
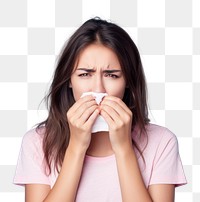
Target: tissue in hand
x=99, y=124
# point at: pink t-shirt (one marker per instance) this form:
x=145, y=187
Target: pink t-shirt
x=99, y=181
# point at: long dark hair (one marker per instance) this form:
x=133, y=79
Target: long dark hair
x=60, y=97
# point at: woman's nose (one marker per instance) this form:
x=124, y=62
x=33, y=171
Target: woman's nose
x=98, y=85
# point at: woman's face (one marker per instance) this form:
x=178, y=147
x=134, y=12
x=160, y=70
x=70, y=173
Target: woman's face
x=98, y=70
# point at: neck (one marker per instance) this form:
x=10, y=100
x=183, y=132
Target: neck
x=100, y=145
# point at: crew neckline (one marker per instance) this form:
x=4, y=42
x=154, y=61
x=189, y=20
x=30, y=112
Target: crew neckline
x=99, y=158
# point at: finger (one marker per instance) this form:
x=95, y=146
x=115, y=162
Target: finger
x=82, y=108
x=115, y=106
x=93, y=117
x=116, y=113
x=80, y=102
x=107, y=117
x=118, y=101
x=87, y=113
x=112, y=113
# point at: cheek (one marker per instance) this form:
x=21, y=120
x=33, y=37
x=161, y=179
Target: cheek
x=77, y=92
x=78, y=89
x=119, y=93
x=116, y=90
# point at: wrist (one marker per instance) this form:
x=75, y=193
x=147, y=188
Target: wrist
x=124, y=151
x=76, y=149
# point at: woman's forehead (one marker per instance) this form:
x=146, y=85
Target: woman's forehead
x=97, y=55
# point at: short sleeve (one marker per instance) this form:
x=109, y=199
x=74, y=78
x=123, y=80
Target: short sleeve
x=30, y=165
x=167, y=166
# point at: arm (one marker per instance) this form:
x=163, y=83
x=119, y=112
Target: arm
x=132, y=185
x=119, y=119
x=162, y=192
x=80, y=117
x=36, y=192
x=131, y=182
x=66, y=184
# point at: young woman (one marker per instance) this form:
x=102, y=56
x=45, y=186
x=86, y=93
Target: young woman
x=63, y=161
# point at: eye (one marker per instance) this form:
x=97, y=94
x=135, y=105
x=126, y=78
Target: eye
x=84, y=75
x=114, y=76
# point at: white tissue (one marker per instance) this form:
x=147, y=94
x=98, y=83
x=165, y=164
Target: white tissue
x=99, y=124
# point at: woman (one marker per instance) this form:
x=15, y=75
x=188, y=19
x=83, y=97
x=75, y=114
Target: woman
x=63, y=160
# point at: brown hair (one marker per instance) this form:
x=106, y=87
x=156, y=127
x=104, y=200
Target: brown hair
x=60, y=97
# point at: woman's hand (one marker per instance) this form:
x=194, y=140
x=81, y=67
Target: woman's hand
x=119, y=119
x=81, y=117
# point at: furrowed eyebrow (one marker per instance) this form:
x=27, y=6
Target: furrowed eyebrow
x=87, y=70
x=112, y=71
x=105, y=71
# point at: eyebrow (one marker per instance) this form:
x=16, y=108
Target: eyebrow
x=105, y=71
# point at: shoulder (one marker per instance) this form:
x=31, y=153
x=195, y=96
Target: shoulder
x=156, y=137
x=160, y=139
x=31, y=166
x=33, y=138
x=158, y=133
x=34, y=134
